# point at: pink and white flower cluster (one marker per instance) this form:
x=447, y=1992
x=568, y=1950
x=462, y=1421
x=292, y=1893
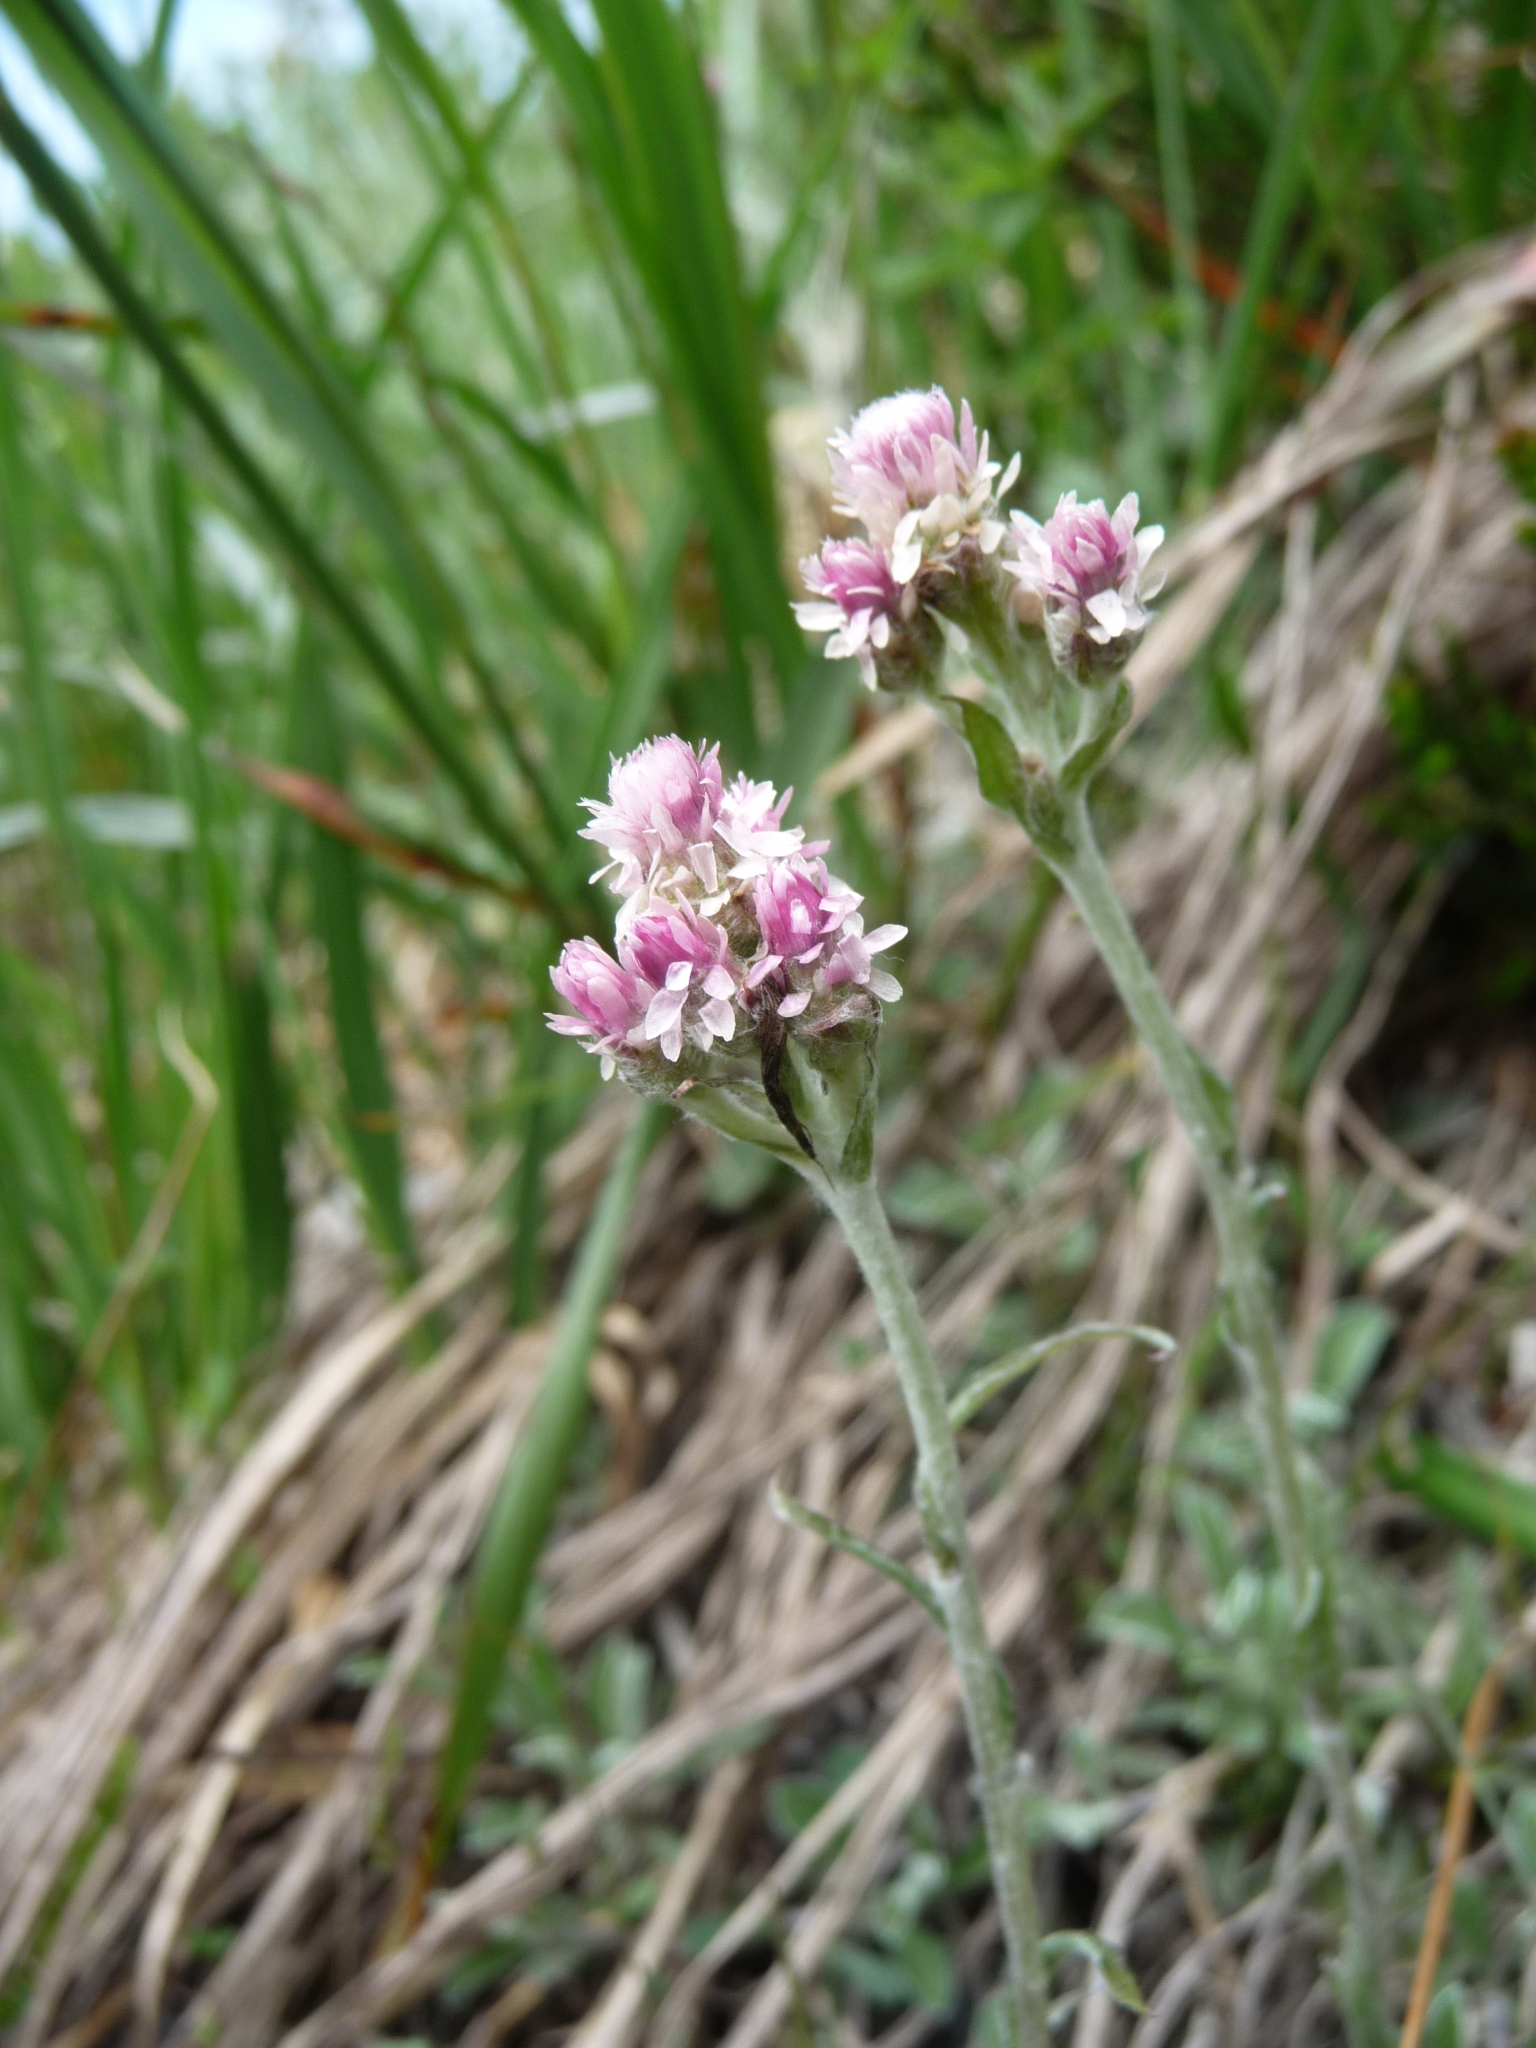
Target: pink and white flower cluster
x=728, y=917
x=1084, y=576
x=926, y=493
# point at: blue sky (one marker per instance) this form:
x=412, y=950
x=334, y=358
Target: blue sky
x=218, y=54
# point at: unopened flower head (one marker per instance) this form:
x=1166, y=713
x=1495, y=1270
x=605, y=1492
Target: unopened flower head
x=858, y=601
x=1084, y=576
x=813, y=939
x=610, y=1001
x=752, y=829
x=920, y=487
x=687, y=961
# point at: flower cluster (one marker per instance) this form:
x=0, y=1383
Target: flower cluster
x=927, y=495
x=729, y=918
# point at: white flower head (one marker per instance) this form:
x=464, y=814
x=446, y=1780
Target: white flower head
x=919, y=485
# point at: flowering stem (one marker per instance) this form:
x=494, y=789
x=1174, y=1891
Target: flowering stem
x=984, y=1691
x=1203, y=1104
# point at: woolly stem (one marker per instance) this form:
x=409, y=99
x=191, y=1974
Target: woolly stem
x=984, y=1691
x=1203, y=1104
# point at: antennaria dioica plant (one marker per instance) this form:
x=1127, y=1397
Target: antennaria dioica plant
x=745, y=988
x=1048, y=617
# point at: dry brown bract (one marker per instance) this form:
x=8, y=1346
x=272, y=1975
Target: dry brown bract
x=362, y=1497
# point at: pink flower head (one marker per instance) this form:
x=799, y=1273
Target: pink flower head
x=1087, y=573
x=857, y=600
x=611, y=1001
x=916, y=484
x=687, y=962
x=851, y=960
x=810, y=927
x=752, y=828
x=663, y=802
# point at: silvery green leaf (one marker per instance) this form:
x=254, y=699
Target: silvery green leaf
x=1107, y=1962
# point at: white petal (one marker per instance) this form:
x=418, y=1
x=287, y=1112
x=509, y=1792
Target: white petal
x=991, y=535
x=665, y=1016
x=818, y=615
x=763, y=969
x=1147, y=544
x=718, y=983
x=719, y=1018
x=672, y=1040
x=569, y=1027
x=793, y=1005
x=1108, y=610
x=885, y=986
x=1010, y=475
x=880, y=631
x=884, y=936
x=679, y=974
x=907, y=560
x=702, y=858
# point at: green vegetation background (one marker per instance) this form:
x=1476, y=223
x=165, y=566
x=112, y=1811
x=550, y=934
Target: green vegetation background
x=308, y=520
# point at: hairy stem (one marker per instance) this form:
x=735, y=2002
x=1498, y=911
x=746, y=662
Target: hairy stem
x=1203, y=1105
x=941, y=1502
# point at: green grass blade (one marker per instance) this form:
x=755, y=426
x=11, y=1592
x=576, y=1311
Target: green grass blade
x=1266, y=228
x=1178, y=186
x=370, y=1115
x=304, y=398
x=525, y=1504
x=645, y=133
x=58, y=193
x=263, y=1123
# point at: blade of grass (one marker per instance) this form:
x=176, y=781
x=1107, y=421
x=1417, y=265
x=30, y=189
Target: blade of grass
x=370, y=1118
x=325, y=805
x=58, y=193
x=645, y=134
x=131, y=1276
x=1266, y=228
x=525, y=1503
x=303, y=396
x=1178, y=188
x=175, y=204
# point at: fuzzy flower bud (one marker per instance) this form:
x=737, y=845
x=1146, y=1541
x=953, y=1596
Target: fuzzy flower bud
x=610, y=1001
x=1085, y=574
x=920, y=488
x=745, y=984
x=855, y=598
x=752, y=832
x=868, y=614
x=813, y=938
x=687, y=961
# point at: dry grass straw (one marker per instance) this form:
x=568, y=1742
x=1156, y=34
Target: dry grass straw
x=364, y=1493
